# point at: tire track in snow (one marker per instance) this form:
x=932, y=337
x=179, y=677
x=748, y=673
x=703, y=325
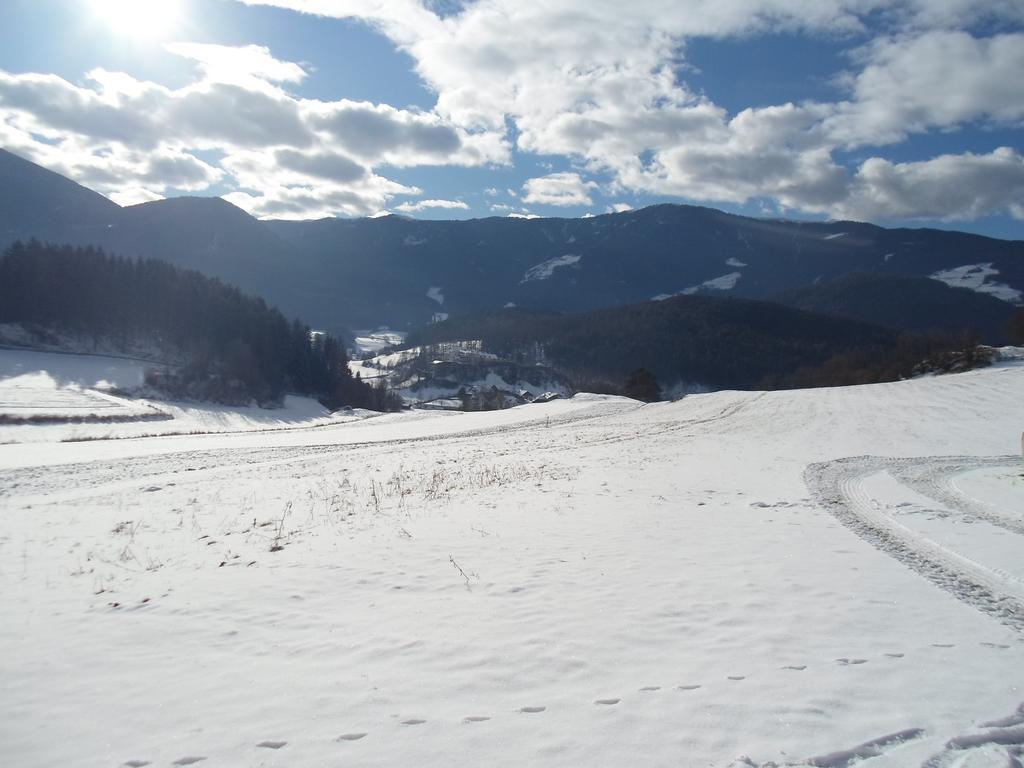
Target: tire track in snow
x=88, y=477
x=669, y=427
x=837, y=487
x=935, y=480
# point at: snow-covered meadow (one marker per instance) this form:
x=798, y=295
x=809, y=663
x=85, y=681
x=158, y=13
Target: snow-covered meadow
x=49, y=397
x=821, y=577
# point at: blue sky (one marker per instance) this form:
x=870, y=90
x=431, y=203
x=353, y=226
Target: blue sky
x=904, y=112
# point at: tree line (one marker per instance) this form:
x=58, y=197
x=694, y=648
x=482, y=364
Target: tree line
x=710, y=341
x=233, y=348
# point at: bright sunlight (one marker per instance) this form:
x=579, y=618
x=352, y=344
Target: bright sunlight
x=139, y=18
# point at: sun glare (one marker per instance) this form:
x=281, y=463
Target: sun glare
x=139, y=18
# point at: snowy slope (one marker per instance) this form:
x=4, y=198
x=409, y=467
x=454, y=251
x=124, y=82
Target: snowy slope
x=737, y=578
x=49, y=397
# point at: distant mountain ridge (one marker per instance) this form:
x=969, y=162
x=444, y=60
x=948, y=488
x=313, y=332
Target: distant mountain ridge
x=363, y=273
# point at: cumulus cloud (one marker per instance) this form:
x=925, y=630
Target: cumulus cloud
x=427, y=205
x=561, y=189
x=282, y=155
x=584, y=80
x=244, y=65
x=936, y=79
x=377, y=132
x=948, y=187
x=603, y=87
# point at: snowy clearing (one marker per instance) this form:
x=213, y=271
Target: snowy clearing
x=48, y=397
x=817, y=577
x=375, y=341
x=546, y=269
x=976, y=277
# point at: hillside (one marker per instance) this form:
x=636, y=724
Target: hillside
x=687, y=341
x=363, y=273
x=229, y=347
x=907, y=303
x=805, y=575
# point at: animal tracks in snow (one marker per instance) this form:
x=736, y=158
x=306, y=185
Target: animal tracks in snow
x=1005, y=728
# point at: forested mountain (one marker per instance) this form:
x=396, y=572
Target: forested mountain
x=362, y=273
x=233, y=347
x=35, y=202
x=907, y=303
x=689, y=340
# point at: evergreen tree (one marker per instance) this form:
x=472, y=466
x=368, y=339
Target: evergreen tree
x=235, y=348
x=642, y=385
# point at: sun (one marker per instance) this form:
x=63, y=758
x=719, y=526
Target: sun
x=139, y=18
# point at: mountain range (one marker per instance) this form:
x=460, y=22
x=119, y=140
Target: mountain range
x=339, y=274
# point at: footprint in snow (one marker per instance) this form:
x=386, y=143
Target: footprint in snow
x=943, y=645
x=736, y=677
x=188, y=760
x=995, y=645
x=413, y=721
x=796, y=667
x=272, y=744
x=687, y=687
x=350, y=736
x=608, y=702
x=475, y=719
x=894, y=655
x=531, y=710
x=649, y=688
x=137, y=763
x=847, y=662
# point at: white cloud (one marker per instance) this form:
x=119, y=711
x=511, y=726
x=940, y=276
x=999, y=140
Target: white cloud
x=427, y=205
x=136, y=140
x=243, y=65
x=584, y=80
x=619, y=207
x=937, y=79
x=949, y=187
x=562, y=189
x=588, y=80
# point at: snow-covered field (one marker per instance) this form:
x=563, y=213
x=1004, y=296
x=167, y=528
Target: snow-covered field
x=49, y=397
x=821, y=577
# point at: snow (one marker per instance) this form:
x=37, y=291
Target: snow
x=412, y=240
x=48, y=397
x=723, y=283
x=374, y=341
x=734, y=262
x=546, y=269
x=412, y=393
x=835, y=236
x=976, y=278
x=434, y=293
x=817, y=577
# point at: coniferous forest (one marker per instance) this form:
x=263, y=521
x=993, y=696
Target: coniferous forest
x=233, y=348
